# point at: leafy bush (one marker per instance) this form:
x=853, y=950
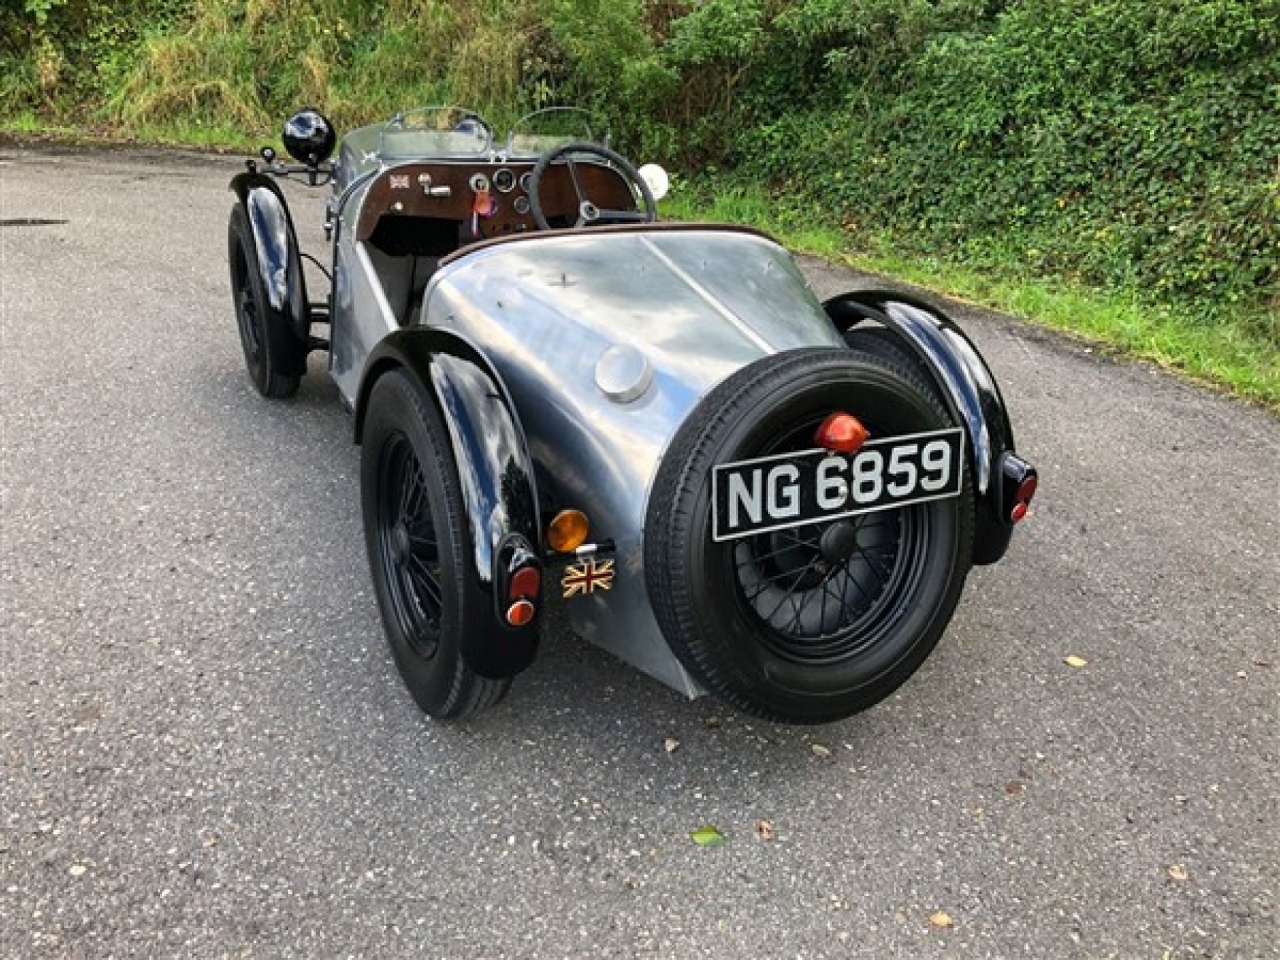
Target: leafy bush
x=1135, y=145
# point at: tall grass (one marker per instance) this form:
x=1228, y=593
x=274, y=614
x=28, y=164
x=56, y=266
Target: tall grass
x=248, y=63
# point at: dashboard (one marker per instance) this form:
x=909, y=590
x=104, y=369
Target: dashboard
x=483, y=201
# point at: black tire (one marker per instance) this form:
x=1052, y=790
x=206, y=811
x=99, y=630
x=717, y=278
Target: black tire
x=896, y=586
x=884, y=343
x=276, y=358
x=420, y=551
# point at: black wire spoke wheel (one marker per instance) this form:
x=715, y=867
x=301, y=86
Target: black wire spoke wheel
x=815, y=622
x=826, y=591
x=421, y=556
x=407, y=547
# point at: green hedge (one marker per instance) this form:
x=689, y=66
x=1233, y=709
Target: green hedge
x=1128, y=144
x=1133, y=144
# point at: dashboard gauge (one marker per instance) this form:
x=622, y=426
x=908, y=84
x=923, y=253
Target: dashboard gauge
x=504, y=180
x=522, y=205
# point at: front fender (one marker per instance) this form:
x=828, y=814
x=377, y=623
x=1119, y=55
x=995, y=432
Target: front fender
x=969, y=389
x=494, y=467
x=279, y=259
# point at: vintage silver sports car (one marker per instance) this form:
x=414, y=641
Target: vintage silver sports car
x=730, y=485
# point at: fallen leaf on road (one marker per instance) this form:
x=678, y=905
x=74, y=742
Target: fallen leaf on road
x=1074, y=661
x=1014, y=787
x=764, y=830
x=1179, y=872
x=942, y=920
x=671, y=744
x=820, y=750
x=707, y=837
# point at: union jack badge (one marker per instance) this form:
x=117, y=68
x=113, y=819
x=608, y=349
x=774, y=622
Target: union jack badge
x=587, y=577
x=399, y=181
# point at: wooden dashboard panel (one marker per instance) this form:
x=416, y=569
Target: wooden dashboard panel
x=406, y=191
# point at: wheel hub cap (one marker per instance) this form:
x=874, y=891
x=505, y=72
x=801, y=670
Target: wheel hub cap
x=839, y=542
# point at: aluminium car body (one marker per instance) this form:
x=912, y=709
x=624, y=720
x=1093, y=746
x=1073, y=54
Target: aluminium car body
x=783, y=495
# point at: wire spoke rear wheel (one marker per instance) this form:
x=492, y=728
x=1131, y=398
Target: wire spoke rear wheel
x=407, y=546
x=826, y=591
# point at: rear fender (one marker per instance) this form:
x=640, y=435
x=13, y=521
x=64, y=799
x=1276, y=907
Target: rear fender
x=970, y=391
x=494, y=468
x=279, y=259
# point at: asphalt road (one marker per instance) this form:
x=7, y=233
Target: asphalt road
x=206, y=750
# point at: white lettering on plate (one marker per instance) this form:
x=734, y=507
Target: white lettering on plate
x=833, y=484
x=739, y=494
x=784, y=501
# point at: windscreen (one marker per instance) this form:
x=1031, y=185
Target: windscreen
x=543, y=130
x=436, y=132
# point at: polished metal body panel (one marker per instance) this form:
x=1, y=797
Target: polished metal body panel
x=550, y=311
x=362, y=313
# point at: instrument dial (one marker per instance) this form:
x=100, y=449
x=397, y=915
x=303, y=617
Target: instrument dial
x=504, y=180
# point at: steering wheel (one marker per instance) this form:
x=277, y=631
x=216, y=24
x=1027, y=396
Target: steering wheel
x=588, y=212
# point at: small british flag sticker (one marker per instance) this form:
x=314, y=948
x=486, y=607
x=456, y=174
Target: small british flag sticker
x=399, y=181
x=587, y=577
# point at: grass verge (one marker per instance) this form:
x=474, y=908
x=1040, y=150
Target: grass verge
x=180, y=136
x=1222, y=351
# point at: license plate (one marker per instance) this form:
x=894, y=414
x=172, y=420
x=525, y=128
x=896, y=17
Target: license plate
x=809, y=486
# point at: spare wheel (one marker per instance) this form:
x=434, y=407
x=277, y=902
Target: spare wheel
x=809, y=611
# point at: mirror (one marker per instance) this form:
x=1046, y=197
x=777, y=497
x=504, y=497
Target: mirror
x=309, y=137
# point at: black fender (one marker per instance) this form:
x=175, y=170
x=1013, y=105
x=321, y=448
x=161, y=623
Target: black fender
x=969, y=389
x=279, y=256
x=494, y=467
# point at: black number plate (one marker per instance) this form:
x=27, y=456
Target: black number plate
x=792, y=489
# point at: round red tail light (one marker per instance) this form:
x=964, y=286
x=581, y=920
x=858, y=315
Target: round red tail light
x=1027, y=489
x=520, y=613
x=841, y=432
x=1022, y=499
x=526, y=582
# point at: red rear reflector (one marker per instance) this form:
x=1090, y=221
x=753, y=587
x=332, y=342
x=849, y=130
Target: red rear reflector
x=526, y=582
x=1027, y=489
x=841, y=432
x=1022, y=499
x=520, y=613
